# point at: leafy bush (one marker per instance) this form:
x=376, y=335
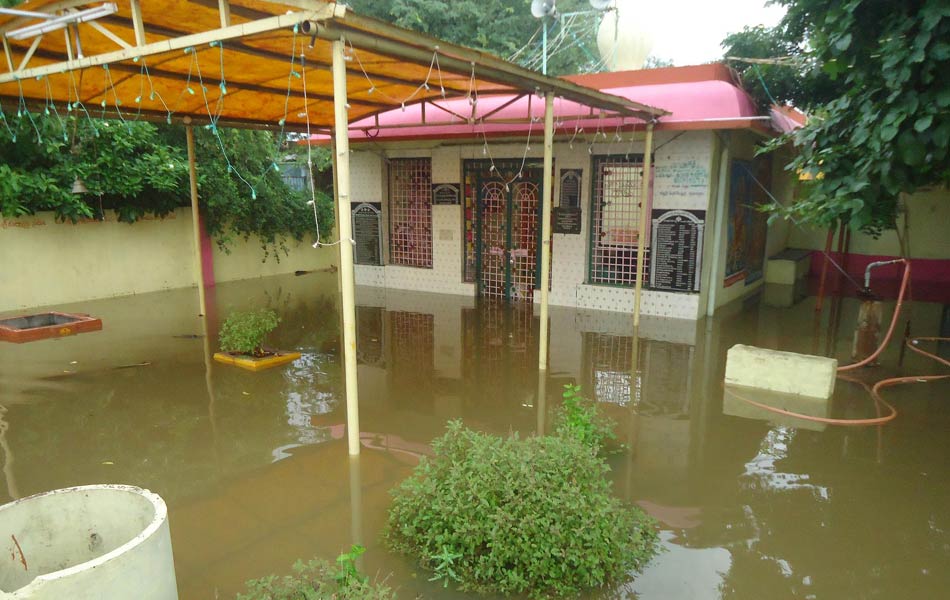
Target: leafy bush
x=244, y=332
x=580, y=419
x=318, y=580
x=514, y=515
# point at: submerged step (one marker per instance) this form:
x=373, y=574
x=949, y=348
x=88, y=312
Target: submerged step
x=778, y=371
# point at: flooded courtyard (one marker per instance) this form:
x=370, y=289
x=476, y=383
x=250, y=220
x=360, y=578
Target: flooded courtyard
x=255, y=471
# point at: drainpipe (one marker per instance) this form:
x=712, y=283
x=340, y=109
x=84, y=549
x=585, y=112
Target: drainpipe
x=644, y=222
x=347, y=287
x=195, y=222
x=546, y=226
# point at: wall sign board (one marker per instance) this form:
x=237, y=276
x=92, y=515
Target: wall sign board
x=570, y=188
x=367, y=227
x=445, y=194
x=676, y=253
x=567, y=220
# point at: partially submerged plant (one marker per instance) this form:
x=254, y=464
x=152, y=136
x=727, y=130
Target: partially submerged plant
x=243, y=332
x=529, y=516
x=580, y=419
x=318, y=580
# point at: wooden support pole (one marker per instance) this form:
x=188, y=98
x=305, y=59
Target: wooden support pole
x=644, y=222
x=347, y=285
x=195, y=223
x=224, y=9
x=8, y=54
x=137, y=24
x=546, y=193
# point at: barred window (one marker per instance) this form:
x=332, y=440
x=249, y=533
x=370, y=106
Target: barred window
x=615, y=220
x=410, y=212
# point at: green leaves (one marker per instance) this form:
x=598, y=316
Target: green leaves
x=244, y=332
x=887, y=131
x=317, y=580
x=579, y=419
x=138, y=169
x=529, y=516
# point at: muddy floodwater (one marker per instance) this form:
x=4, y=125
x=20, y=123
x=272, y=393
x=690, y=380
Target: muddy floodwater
x=255, y=471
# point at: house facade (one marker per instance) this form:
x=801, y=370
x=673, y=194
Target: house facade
x=446, y=196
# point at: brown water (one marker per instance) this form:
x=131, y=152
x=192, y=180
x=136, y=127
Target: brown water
x=255, y=470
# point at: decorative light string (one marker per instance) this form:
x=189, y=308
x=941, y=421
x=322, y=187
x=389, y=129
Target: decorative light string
x=433, y=66
x=313, y=187
x=50, y=105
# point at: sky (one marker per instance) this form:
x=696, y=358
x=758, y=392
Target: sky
x=689, y=31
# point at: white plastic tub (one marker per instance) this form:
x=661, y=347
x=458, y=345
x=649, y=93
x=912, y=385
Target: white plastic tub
x=90, y=542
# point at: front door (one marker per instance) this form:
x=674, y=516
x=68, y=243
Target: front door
x=508, y=215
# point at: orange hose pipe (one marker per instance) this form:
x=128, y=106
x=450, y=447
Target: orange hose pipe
x=890, y=330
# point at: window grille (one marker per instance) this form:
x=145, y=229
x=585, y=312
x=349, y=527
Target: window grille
x=615, y=220
x=410, y=212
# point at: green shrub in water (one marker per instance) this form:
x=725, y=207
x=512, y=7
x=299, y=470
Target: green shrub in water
x=318, y=580
x=510, y=515
x=243, y=332
x=580, y=419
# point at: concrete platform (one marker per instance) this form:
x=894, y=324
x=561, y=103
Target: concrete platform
x=784, y=372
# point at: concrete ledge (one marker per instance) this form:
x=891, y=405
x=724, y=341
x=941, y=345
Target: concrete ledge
x=785, y=372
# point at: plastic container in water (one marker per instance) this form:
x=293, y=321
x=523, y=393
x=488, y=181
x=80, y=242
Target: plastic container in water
x=81, y=543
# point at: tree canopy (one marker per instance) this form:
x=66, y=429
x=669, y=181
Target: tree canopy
x=501, y=27
x=872, y=74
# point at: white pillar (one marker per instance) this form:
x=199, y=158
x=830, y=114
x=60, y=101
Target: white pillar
x=644, y=221
x=546, y=192
x=347, y=285
x=195, y=223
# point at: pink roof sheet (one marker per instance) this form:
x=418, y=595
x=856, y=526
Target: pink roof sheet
x=703, y=97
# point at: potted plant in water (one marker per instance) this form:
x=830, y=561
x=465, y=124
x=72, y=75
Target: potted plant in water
x=242, y=341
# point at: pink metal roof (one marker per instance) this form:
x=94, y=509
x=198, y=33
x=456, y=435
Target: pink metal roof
x=701, y=97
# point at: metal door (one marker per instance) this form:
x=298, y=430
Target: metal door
x=508, y=238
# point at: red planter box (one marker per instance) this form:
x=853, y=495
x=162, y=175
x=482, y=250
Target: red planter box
x=30, y=328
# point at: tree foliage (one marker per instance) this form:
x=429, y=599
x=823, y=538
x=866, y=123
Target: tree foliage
x=139, y=169
x=885, y=130
x=498, y=26
x=786, y=75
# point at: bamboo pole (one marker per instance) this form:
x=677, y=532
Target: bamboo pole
x=347, y=287
x=644, y=222
x=547, y=190
x=195, y=223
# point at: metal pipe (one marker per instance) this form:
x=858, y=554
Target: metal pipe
x=874, y=265
x=546, y=193
x=407, y=46
x=195, y=224
x=347, y=284
x=26, y=13
x=644, y=221
x=824, y=269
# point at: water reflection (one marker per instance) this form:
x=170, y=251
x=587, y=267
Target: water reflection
x=255, y=471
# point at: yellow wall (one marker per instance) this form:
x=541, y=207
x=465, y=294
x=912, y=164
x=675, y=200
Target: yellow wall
x=48, y=263
x=929, y=214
